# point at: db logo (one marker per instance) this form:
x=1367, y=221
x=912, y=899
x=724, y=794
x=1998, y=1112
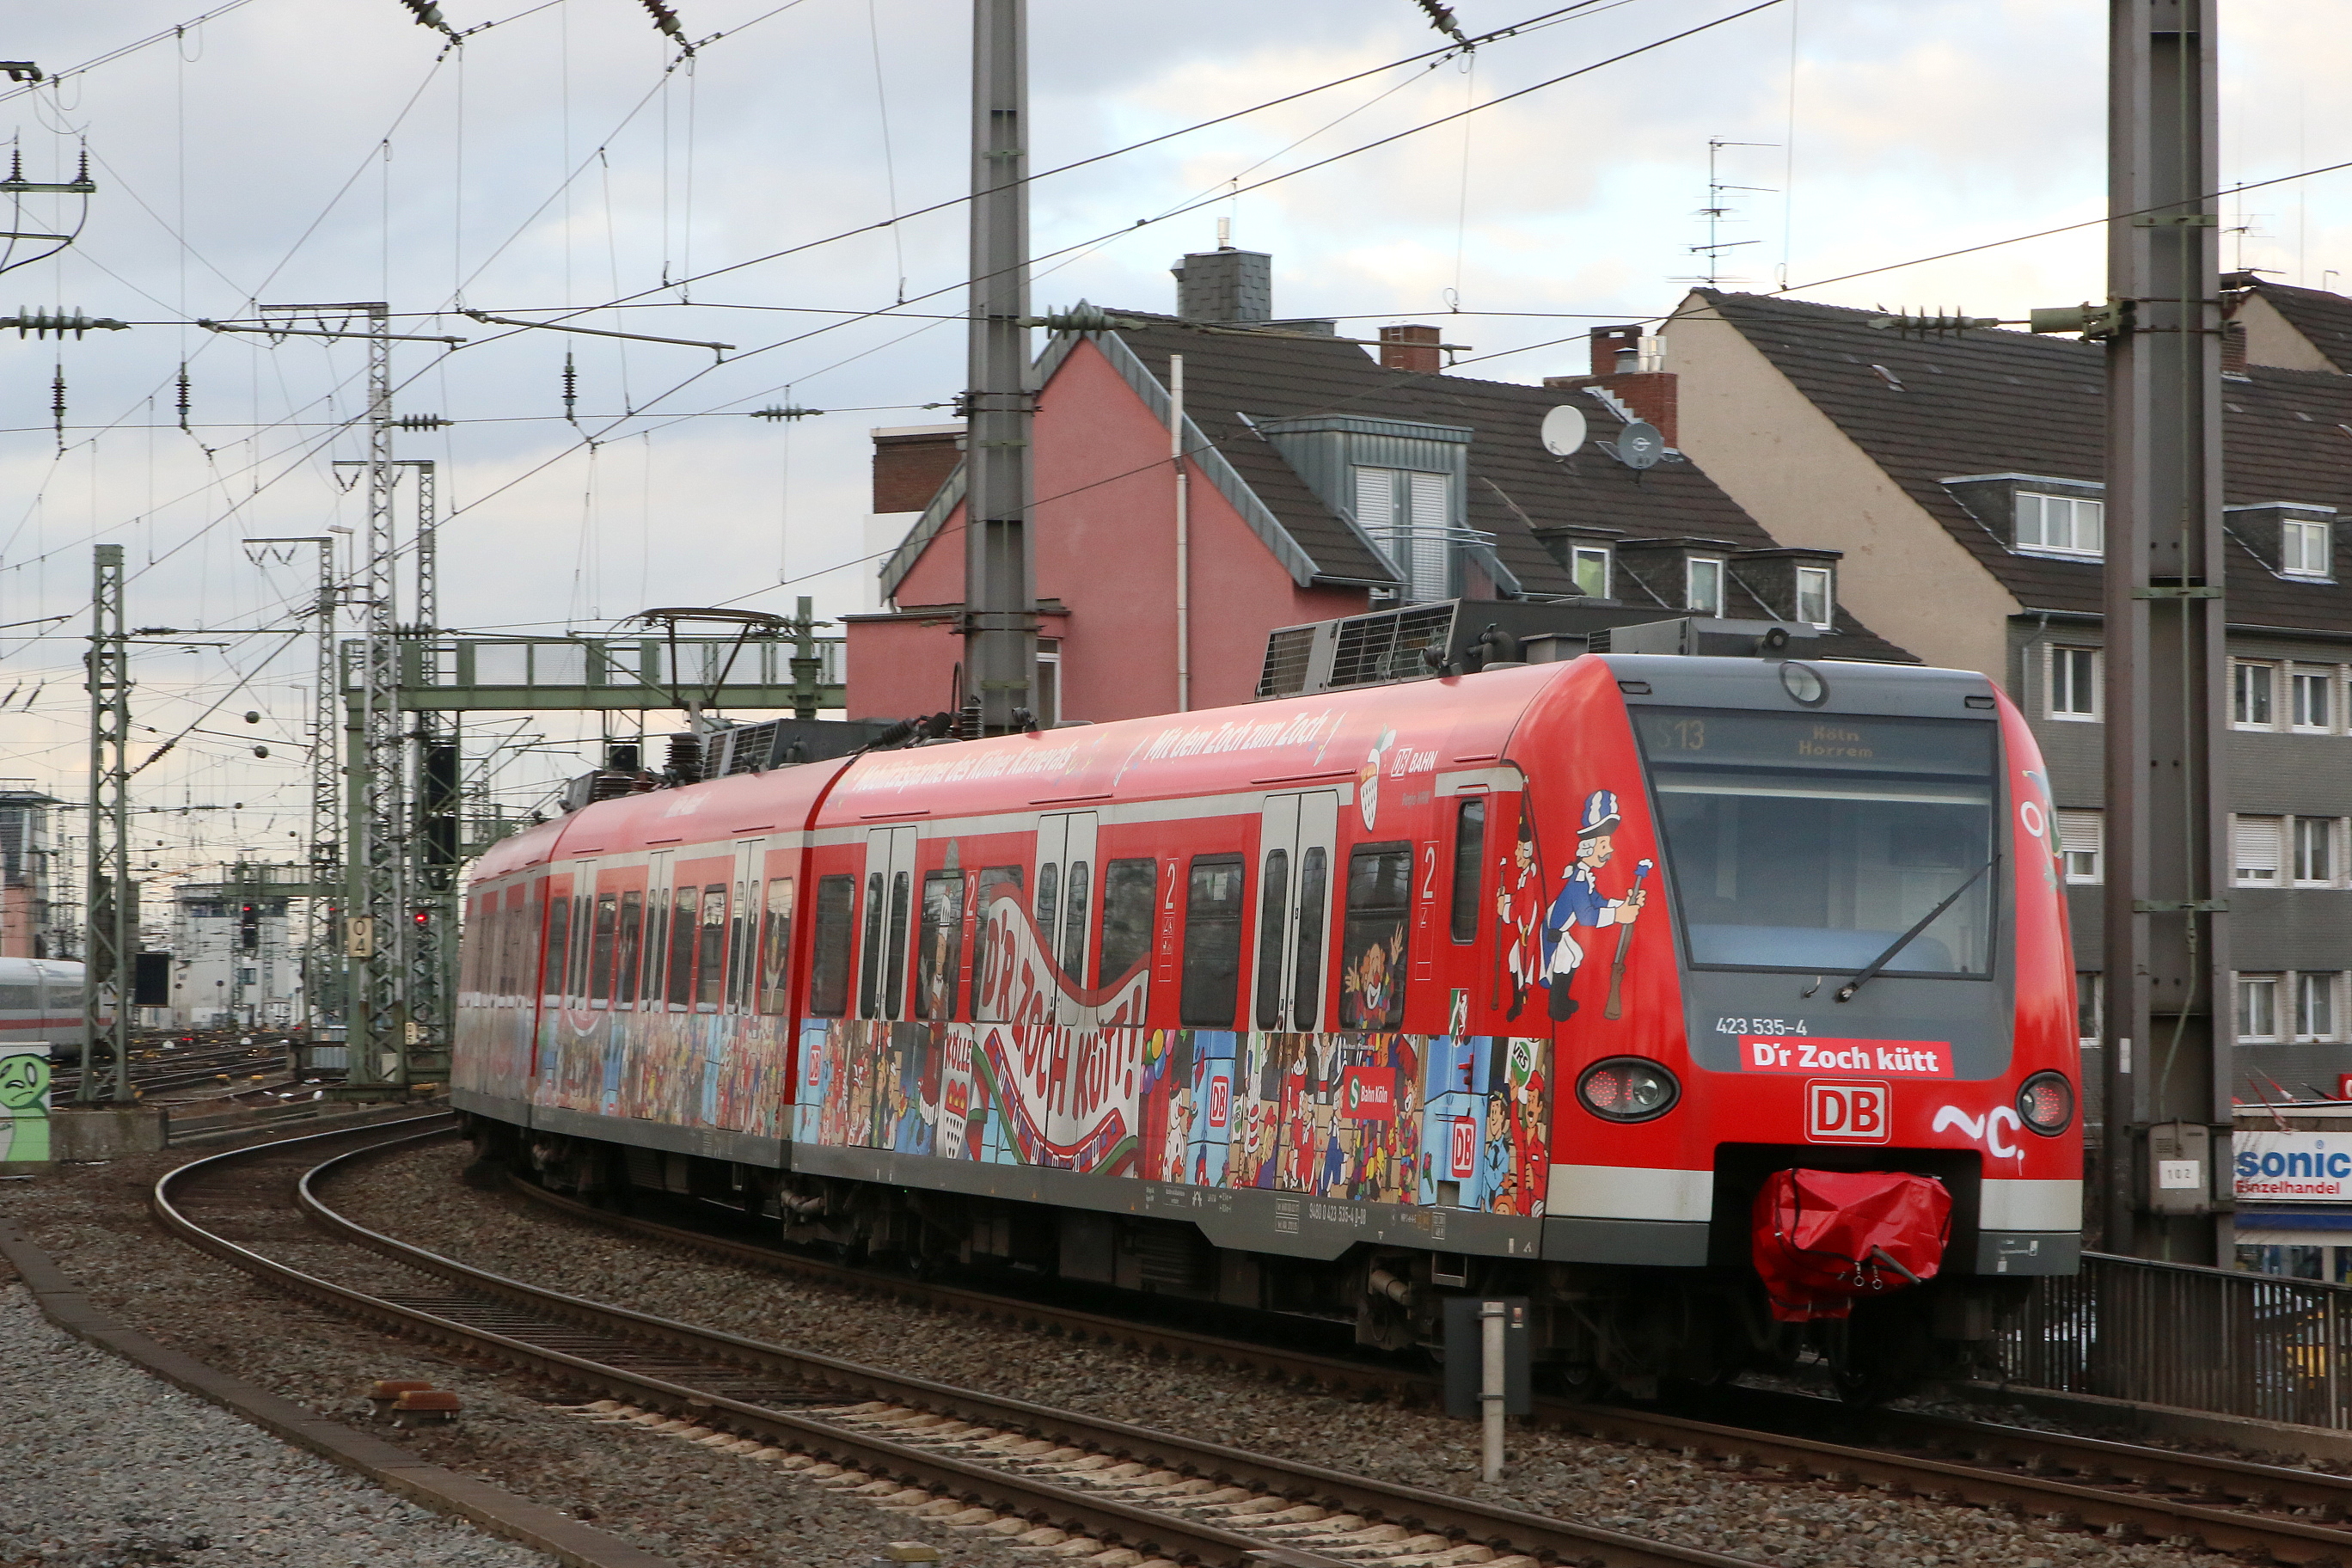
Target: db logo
x=1461, y=1152
x=1221, y=1100
x=1846, y=1112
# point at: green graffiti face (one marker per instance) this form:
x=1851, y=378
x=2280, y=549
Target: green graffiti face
x=23, y=1080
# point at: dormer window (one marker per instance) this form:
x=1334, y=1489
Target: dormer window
x=2071, y=526
x=1702, y=585
x=1815, y=597
x=1590, y=564
x=1404, y=512
x=2306, y=549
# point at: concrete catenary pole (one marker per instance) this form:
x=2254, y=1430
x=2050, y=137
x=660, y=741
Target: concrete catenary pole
x=2169, y=1025
x=1000, y=614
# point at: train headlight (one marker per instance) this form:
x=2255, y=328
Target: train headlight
x=2046, y=1103
x=1628, y=1088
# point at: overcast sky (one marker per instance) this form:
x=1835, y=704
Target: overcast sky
x=333, y=150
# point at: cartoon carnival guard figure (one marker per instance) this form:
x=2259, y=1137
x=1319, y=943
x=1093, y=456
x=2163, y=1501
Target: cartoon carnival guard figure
x=1581, y=904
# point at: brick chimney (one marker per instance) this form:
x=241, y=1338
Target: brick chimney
x=1617, y=368
x=911, y=462
x=1411, y=347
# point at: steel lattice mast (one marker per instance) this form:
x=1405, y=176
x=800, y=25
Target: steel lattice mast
x=376, y=920
x=107, y=954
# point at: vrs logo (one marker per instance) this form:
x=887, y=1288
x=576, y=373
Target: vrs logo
x=1847, y=1112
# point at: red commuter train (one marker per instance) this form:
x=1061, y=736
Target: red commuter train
x=1591, y=980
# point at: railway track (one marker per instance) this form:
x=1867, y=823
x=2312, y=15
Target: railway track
x=2255, y=1511
x=1042, y=1475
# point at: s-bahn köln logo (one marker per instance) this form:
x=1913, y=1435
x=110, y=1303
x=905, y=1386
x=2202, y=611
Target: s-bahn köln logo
x=1847, y=1112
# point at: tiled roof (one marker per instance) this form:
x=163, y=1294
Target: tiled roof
x=1519, y=492
x=1995, y=403
x=2323, y=318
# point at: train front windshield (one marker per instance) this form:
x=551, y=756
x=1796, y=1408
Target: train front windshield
x=1813, y=843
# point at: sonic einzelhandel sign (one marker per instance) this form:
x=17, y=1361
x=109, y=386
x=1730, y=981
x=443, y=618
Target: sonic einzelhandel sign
x=2293, y=1167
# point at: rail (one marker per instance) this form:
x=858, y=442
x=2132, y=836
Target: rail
x=2219, y=1339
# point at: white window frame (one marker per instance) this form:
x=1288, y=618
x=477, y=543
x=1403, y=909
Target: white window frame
x=1692, y=566
x=2090, y=983
x=2329, y=835
x=1581, y=555
x=2298, y=553
x=2083, y=846
x=2051, y=661
x=1824, y=582
x=2301, y=677
x=2323, y=988
x=2250, y=986
x=2075, y=516
x=2244, y=686
x=1408, y=514
x=2246, y=832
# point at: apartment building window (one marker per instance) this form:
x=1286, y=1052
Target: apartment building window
x=2061, y=525
x=2311, y=703
x=2254, y=844
x=2258, y=1006
x=1405, y=511
x=2073, y=683
x=2314, y=1007
x=1702, y=585
x=1589, y=562
x=2306, y=549
x=2090, y=1004
x=2315, y=850
x=1815, y=597
x=2081, y=844
x=2249, y=695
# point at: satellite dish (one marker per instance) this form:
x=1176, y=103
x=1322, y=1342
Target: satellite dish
x=1639, y=446
x=1563, y=430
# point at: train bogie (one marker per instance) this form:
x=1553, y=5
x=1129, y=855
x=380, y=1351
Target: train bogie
x=1636, y=986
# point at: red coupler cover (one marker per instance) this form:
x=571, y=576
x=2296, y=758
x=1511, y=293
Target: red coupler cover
x=1824, y=1238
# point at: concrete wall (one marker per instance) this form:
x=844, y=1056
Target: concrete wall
x=1795, y=472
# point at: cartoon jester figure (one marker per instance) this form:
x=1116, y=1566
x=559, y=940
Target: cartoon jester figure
x=1581, y=903
x=1519, y=904
x=24, y=1098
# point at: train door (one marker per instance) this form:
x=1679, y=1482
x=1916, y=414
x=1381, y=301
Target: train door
x=1295, y=838
x=1065, y=880
x=888, y=917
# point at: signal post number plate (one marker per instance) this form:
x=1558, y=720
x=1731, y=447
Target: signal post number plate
x=1848, y=1112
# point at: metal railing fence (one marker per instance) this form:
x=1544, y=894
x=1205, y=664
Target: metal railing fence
x=2222, y=1340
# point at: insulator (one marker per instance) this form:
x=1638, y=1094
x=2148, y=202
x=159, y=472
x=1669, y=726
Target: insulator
x=15, y=165
x=183, y=395
x=786, y=411
x=571, y=386
x=686, y=758
x=665, y=19
x=58, y=403
x=420, y=422
x=40, y=323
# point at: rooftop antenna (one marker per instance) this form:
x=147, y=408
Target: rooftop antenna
x=1718, y=210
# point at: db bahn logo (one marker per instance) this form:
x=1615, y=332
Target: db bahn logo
x=1846, y=1112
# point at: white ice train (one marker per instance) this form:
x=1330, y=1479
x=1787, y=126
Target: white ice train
x=41, y=999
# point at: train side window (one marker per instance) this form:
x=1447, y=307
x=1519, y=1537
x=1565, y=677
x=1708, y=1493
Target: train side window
x=776, y=944
x=1131, y=888
x=742, y=934
x=559, y=929
x=942, y=949
x=894, y=987
x=1073, y=922
x=870, y=968
x=1273, y=899
x=600, y=947
x=829, y=968
x=681, y=948
x=625, y=979
x=712, y=956
x=1049, y=907
x=1307, y=984
x=1469, y=858
x=1213, y=941
x=656, y=943
x=1380, y=887
x=581, y=945
x=995, y=882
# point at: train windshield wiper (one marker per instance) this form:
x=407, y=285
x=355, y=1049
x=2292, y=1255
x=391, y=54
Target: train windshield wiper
x=1870, y=971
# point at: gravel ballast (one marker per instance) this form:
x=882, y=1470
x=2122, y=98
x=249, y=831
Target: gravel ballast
x=419, y=1198
x=691, y=1505
x=102, y=1464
